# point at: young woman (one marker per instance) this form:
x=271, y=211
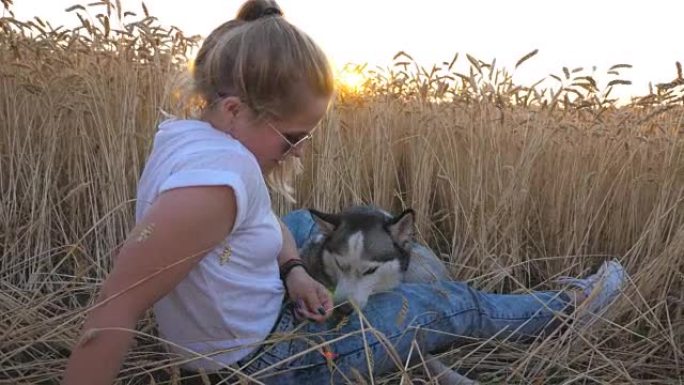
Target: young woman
x=215, y=263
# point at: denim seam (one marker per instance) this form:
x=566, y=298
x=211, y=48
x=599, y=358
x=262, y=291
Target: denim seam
x=537, y=313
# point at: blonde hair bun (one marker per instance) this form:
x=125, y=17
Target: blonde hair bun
x=255, y=9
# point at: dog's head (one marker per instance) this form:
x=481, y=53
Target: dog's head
x=364, y=251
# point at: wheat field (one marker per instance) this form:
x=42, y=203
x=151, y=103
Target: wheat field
x=513, y=185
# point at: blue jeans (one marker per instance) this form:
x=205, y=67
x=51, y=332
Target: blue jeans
x=434, y=315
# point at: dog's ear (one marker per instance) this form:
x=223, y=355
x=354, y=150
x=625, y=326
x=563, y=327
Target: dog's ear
x=401, y=227
x=327, y=223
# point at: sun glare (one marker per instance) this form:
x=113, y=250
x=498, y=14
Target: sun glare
x=350, y=79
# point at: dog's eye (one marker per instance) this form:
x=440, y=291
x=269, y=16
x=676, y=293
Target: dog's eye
x=340, y=266
x=370, y=271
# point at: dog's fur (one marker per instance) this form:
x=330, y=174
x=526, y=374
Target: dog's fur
x=364, y=250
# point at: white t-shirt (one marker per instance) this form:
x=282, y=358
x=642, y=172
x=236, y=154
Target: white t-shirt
x=232, y=298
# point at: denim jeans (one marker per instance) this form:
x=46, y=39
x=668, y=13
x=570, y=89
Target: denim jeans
x=434, y=315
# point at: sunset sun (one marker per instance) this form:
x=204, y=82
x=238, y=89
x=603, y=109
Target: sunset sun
x=350, y=79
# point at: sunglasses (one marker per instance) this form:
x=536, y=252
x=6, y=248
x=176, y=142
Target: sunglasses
x=293, y=141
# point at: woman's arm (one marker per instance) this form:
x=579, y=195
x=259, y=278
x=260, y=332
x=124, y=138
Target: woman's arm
x=181, y=226
x=313, y=299
x=289, y=250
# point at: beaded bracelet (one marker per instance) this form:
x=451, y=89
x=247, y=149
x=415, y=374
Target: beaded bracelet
x=286, y=267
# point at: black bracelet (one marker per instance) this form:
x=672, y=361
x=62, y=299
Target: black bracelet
x=286, y=267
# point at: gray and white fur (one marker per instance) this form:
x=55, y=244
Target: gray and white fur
x=365, y=250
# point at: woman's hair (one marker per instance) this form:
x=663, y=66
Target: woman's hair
x=271, y=65
x=264, y=60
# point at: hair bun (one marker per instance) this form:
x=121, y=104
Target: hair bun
x=256, y=9
x=271, y=11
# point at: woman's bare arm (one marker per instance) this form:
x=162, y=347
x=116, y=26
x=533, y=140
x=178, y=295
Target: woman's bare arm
x=181, y=226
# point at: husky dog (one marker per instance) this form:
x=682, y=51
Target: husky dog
x=365, y=250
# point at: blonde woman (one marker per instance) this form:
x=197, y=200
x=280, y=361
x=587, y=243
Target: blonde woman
x=215, y=263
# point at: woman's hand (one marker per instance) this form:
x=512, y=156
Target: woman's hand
x=312, y=300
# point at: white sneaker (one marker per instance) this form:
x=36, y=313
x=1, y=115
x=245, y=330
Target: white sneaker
x=601, y=289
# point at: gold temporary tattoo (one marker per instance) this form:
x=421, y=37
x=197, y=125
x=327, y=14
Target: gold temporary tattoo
x=224, y=257
x=342, y=323
x=88, y=336
x=145, y=233
x=371, y=359
x=401, y=317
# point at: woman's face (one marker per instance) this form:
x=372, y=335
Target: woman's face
x=270, y=140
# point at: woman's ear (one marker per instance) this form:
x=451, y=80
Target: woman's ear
x=230, y=107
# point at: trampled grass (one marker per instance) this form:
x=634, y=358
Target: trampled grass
x=513, y=185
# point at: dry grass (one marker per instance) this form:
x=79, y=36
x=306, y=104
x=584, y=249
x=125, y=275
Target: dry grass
x=513, y=185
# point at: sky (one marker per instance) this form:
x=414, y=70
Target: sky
x=579, y=33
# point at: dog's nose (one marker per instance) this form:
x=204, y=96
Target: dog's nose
x=345, y=309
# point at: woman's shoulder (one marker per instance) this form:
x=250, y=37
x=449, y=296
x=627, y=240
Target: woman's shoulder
x=198, y=142
x=191, y=153
x=192, y=131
